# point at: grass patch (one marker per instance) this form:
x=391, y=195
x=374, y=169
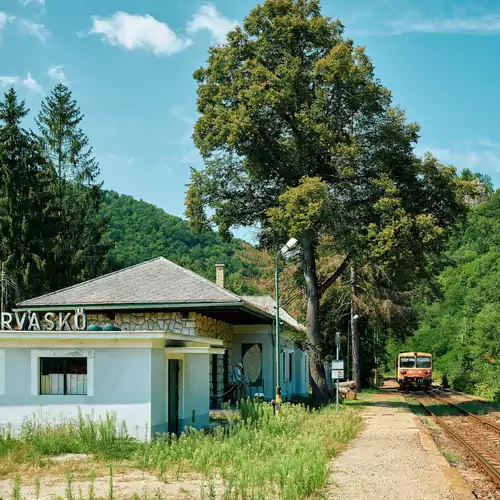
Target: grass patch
x=257, y=456
x=415, y=406
x=479, y=407
x=451, y=457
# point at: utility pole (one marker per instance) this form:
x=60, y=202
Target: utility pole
x=337, y=345
x=3, y=289
x=348, y=349
x=355, y=331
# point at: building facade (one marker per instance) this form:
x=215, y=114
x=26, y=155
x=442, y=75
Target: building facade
x=155, y=345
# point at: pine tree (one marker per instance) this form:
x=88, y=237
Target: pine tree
x=25, y=226
x=78, y=251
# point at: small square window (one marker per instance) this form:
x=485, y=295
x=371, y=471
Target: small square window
x=63, y=376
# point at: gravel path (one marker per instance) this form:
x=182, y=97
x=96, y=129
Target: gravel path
x=391, y=459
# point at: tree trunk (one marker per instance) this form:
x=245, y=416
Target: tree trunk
x=318, y=378
x=356, y=365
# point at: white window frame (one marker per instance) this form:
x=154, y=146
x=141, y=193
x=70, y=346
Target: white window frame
x=3, y=372
x=59, y=353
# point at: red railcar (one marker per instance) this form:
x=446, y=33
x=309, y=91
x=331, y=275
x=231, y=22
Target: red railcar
x=414, y=370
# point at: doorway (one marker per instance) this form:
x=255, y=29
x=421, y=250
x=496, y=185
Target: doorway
x=214, y=394
x=173, y=396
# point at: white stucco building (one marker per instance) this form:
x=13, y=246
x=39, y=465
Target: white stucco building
x=157, y=352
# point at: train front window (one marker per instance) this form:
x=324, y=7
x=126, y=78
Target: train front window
x=407, y=362
x=423, y=362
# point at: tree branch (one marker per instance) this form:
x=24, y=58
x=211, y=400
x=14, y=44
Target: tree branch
x=331, y=280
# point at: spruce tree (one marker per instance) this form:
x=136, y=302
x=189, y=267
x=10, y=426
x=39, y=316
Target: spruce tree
x=25, y=227
x=78, y=251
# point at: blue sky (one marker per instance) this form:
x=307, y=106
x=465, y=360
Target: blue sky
x=130, y=64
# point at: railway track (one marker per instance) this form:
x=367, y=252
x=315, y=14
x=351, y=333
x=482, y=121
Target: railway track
x=480, y=436
x=484, y=420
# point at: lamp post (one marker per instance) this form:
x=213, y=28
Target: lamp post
x=289, y=245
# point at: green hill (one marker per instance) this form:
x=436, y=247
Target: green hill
x=462, y=328
x=142, y=231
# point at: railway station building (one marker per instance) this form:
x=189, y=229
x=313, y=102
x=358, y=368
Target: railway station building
x=155, y=344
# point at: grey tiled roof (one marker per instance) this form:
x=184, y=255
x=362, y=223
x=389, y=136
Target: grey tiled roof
x=268, y=304
x=155, y=281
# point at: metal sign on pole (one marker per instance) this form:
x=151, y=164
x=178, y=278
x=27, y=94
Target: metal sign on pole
x=337, y=368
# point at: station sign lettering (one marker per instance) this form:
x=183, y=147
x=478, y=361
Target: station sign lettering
x=33, y=321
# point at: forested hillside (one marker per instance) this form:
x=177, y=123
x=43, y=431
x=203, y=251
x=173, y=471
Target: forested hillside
x=462, y=327
x=141, y=231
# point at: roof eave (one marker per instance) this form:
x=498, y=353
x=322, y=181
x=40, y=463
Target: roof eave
x=124, y=307
x=241, y=305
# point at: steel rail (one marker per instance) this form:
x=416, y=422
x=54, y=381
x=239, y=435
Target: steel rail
x=492, y=471
x=484, y=421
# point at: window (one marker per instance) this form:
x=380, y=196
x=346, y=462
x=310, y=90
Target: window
x=407, y=362
x=290, y=367
x=423, y=362
x=63, y=376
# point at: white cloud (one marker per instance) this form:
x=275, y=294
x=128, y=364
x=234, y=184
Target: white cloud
x=32, y=85
x=4, y=19
x=117, y=158
x=481, y=25
x=475, y=156
x=488, y=143
x=57, y=73
x=40, y=2
x=208, y=18
x=135, y=32
x=29, y=27
x=8, y=81
x=29, y=83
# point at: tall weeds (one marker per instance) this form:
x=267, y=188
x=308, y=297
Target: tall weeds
x=103, y=437
x=260, y=456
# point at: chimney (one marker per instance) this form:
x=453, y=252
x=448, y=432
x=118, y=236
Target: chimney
x=219, y=275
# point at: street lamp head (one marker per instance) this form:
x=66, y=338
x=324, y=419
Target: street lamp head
x=356, y=316
x=289, y=245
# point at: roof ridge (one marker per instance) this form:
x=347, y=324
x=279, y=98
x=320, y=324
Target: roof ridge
x=94, y=279
x=199, y=276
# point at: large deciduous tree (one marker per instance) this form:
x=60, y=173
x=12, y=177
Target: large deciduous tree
x=301, y=139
